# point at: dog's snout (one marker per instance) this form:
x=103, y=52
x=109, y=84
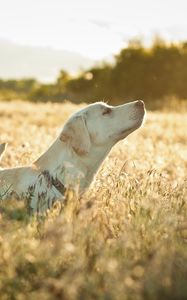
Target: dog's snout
x=139, y=104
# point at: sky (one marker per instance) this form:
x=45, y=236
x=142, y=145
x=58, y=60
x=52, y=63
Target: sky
x=94, y=28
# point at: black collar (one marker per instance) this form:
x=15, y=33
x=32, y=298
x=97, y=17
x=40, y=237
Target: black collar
x=54, y=181
x=58, y=185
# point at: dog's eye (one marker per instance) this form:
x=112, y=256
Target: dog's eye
x=107, y=111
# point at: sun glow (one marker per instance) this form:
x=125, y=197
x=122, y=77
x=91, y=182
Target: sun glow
x=96, y=29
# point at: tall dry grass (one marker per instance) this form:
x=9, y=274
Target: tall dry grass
x=124, y=239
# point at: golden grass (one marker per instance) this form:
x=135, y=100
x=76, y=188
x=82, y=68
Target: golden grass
x=124, y=239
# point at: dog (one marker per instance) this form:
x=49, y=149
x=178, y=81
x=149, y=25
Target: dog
x=74, y=157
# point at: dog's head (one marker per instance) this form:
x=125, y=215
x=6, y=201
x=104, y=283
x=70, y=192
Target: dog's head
x=100, y=125
x=75, y=133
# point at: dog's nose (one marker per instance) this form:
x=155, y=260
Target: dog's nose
x=139, y=104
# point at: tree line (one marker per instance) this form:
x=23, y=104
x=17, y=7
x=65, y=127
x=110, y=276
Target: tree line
x=137, y=72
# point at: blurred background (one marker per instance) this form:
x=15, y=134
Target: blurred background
x=85, y=51
x=126, y=237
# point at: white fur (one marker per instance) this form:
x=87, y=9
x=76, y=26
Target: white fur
x=75, y=156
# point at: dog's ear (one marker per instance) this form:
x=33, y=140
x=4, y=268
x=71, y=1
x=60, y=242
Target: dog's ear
x=2, y=149
x=76, y=133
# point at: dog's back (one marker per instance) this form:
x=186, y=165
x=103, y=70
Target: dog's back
x=2, y=149
x=17, y=179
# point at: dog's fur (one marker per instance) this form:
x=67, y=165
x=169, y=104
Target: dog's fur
x=75, y=156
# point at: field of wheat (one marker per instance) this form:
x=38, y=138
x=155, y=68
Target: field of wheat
x=126, y=238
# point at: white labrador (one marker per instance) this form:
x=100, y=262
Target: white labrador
x=74, y=157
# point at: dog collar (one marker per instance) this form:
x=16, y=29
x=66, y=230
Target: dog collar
x=54, y=181
x=58, y=185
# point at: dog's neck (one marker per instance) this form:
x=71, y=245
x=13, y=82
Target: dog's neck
x=54, y=157
x=58, y=154
x=93, y=161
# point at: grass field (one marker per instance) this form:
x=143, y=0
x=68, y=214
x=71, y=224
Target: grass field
x=126, y=238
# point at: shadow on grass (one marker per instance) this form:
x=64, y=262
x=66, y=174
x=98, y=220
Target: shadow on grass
x=14, y=211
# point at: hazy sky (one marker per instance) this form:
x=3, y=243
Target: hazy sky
x=95, y=28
